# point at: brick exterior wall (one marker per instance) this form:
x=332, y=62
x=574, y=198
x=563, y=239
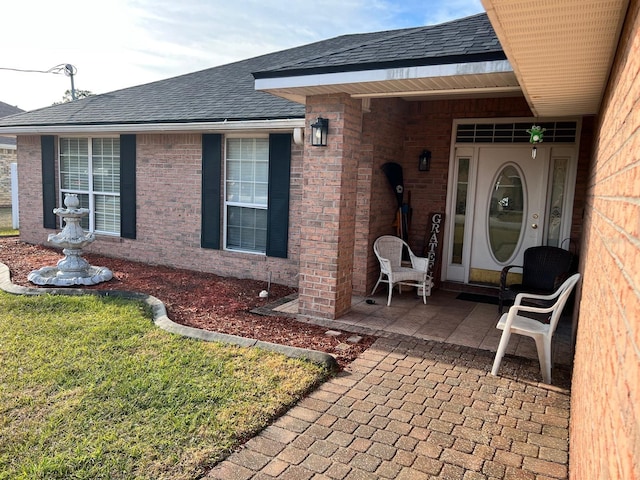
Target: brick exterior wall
x=168, y=187
x=382, y=142
x=398, y=131
x=341, y=200
x=605, y=393
x=30, y=189
x=327, y=234
x=7, y=157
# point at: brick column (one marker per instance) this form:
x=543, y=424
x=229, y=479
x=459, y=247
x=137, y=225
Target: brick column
x=327, y=229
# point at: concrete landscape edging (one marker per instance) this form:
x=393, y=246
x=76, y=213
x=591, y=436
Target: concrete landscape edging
x=161, y=320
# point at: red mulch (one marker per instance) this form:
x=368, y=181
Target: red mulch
x=196, y=299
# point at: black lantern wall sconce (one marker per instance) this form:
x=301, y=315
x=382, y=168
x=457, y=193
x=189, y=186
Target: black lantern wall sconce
x=319, y=131
x=424, y=161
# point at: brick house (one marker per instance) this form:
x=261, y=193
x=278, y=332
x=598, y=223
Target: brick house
x=8, y=155
x=215, y=171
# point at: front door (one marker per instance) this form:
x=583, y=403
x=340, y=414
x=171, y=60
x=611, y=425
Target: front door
x=501, y=201
x=509, y=208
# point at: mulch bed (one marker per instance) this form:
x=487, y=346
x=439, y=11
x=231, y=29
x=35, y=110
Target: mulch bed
x=201, y=300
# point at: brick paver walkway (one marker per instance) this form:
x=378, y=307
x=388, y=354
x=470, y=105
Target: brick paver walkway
x=413, y=410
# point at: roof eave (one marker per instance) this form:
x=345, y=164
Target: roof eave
x=561, y=51
x=491, y=77
x=273, y=125
x=488, y=56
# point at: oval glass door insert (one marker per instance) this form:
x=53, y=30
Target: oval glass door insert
x=506, y=213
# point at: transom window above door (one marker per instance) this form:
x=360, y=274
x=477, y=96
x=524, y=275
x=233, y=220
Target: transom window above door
x=555, y=132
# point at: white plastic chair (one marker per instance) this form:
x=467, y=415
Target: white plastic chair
x=389, y=249
x=516, y=321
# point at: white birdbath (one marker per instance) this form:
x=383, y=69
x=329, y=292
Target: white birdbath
x=72, y=269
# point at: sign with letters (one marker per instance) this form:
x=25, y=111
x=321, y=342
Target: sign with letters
x=433, y=242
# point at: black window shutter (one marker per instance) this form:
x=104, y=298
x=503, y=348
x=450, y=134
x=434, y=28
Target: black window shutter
x=48, y=148
x=211, y=194
x=279, y=179
x=128, y=186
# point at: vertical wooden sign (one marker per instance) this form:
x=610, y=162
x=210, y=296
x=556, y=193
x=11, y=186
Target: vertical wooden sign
x=433, y=244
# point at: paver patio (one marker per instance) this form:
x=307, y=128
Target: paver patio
x=416, y=409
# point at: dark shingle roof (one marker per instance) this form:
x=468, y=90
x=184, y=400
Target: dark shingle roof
x=227, y=92
x=6, y=110
x=469, y=39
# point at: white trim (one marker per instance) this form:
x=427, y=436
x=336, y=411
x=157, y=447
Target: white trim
x=222, y=127
x=382, y=75
x=450, y=271
x=501, y=120
x=227, y=203
x=90, y=191
x=15, y=211
x=450, y=91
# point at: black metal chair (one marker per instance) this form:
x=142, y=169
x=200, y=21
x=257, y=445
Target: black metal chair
x=544, y=269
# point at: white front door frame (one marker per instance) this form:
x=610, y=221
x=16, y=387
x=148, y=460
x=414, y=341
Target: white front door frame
x=548, y=153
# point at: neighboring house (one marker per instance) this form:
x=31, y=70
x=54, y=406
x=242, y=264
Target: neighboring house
x=8, y=155
x=210, y=171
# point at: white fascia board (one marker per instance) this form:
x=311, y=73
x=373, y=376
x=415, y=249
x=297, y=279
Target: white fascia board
x=249, y=125
x=406, y=73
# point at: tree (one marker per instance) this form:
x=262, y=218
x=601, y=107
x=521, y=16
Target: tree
x=79, y=94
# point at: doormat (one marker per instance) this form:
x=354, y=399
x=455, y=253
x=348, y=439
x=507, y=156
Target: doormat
x=474, y=297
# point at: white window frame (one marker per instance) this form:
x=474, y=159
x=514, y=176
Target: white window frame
x=90, y=192
x=228, y=203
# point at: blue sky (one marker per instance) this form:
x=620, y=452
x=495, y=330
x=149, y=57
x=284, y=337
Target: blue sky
x=116, y=44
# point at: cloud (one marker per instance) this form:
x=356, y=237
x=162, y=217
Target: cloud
x=122, y=43
x=201, y=34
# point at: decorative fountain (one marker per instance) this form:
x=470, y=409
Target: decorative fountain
x=72, y=269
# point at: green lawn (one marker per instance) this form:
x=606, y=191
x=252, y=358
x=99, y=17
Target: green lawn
x=91, y=389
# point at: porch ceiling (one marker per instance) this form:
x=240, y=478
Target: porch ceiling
x=561, y=50
x=491, y=78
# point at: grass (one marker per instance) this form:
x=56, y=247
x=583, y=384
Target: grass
x=91, y=389
x=8, y=232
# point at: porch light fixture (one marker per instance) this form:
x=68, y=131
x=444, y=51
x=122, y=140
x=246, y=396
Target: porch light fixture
x=424, y=161
x=319, y=132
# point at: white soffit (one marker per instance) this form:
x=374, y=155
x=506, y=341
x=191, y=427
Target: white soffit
x=561, y=50
x=481, y=78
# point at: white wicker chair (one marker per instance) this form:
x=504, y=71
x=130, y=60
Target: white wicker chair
x=519, y=320
x=389, y=249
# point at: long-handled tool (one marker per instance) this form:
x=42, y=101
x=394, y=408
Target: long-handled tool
x=393, y=171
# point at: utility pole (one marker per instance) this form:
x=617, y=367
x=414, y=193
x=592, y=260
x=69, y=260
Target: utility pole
x=70, y=71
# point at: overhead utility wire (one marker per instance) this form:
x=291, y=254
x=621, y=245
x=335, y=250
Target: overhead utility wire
x=66, y=68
